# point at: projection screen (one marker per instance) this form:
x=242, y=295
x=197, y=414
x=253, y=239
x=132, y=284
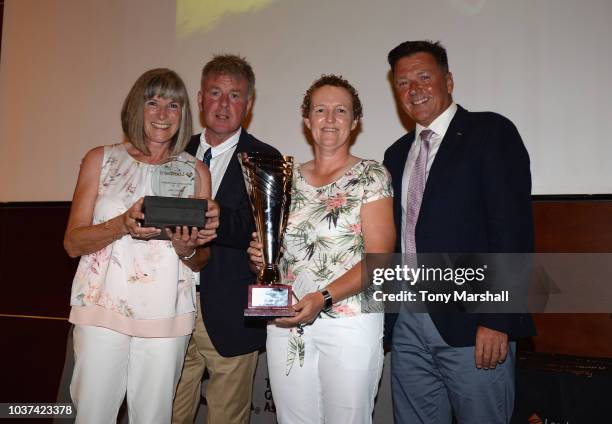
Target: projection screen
x=67, y=65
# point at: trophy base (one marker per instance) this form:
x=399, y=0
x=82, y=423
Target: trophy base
x=269, y=300
x=268, y=313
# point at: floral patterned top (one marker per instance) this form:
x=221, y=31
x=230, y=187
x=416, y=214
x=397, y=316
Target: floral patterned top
x=136, y=287
x=323, y=239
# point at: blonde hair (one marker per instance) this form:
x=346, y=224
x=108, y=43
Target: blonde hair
x=233, y=66
x=166, y=84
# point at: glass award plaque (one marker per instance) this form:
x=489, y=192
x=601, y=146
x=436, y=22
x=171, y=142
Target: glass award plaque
x=174, y=183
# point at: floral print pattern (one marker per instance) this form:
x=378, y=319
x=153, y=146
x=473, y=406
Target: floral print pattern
x=132, y=278
x=323, y=239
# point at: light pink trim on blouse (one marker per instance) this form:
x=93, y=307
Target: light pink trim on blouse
x=180, y=325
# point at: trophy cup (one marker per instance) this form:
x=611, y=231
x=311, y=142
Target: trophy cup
x=173, y=183
x=268, y=182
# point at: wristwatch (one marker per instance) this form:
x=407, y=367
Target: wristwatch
x=328, y=300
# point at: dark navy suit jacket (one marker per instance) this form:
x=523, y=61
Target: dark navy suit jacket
x=226, y=276
x=477, y=199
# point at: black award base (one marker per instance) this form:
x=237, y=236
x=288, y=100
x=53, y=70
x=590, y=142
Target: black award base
x=169, y=212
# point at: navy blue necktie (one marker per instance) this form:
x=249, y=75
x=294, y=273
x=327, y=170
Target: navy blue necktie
x=208, y=156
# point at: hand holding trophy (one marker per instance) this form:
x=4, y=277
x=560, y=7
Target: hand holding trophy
x=268, y=182
x=174, y=182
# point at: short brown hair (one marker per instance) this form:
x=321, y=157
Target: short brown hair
x=166, y=84
x=231, y=65
x=334, y=81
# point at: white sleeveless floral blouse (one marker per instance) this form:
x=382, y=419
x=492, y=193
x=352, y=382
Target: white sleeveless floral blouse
x=323, y=239
x=136, y=287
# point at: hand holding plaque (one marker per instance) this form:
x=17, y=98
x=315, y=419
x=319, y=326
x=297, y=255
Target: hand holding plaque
x=268, y=182
x=174, y=182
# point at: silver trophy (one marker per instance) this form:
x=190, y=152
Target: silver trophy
x=268, y=182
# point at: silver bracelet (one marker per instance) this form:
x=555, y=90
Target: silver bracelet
x=186, y=258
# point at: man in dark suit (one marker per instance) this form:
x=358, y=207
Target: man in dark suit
x=462, y=184
x=223, y=342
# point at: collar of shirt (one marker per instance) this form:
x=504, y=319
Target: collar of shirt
x=221, y=148
x=440, y=124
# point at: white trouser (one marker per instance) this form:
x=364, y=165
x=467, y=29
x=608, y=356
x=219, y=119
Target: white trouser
x=108, y=363
x=339, y=379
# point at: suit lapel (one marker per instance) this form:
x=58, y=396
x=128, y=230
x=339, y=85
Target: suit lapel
x=399, y=164
x=396, y=165
x=446, y=154
x=192, y=146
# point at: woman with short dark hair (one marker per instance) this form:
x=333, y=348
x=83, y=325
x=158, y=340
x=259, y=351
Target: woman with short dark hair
x=325, y=362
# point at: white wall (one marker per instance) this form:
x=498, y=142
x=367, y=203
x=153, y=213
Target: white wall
x=67, y=64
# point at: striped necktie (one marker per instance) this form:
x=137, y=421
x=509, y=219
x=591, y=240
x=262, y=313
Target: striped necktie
x=416, y=187
x=208, y=156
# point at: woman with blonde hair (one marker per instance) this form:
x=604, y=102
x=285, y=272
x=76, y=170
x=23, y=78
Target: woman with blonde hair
x=133, y=297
